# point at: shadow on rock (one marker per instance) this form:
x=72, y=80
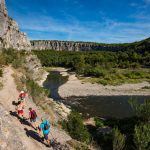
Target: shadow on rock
x=14, y=103
x=34, y=135
x=22, y=121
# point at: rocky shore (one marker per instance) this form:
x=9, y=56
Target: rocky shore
x=75, y=87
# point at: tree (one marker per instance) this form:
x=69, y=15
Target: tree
x=118, y=140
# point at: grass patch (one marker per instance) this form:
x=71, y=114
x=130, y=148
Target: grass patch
x=120, y=76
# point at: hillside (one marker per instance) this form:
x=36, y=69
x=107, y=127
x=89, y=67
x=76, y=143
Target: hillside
x=13, y=135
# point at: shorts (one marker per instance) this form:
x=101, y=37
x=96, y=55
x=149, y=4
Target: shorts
x=46, y=136
x=33, y=120
x=20, y=112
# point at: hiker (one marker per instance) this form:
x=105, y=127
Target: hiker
x=45, y=127
x=19, y=109
x=32, y=117
x=22, y=96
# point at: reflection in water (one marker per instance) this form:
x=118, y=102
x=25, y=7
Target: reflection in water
x=103, y=106
x=52, y=83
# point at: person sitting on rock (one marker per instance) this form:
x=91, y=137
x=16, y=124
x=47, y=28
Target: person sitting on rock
x=45, y=127
x=32, y=117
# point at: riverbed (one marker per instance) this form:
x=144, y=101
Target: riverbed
x=116, y=106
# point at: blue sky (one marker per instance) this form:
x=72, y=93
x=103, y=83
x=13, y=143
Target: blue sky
x=108, y=21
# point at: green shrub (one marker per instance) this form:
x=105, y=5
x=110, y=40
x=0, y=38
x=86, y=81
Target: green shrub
x=142, y=110
x=10, y=55
x=36, y=91
x=142, y=137
x=75, y=127
x=17, y=63
x=118, y=140
x=98, y=122
x=103, y=82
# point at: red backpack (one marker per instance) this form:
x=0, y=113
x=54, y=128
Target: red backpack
x=33, y=114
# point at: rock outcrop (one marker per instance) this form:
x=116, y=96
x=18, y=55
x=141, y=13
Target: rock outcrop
x=74, y=46
x=10, y=36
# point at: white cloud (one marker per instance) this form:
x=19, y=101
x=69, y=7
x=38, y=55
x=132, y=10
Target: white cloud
x=107, y=31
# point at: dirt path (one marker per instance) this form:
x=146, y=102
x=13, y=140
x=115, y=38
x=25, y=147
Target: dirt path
x=9, y=94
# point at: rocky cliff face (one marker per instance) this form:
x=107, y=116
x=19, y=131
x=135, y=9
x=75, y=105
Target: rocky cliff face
x=73, y=46
x=9, y=137
x=10, y=36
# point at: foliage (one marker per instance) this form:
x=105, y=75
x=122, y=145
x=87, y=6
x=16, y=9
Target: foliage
x=142, y=110
x=103, y=65
x=75, y=127
x=36, y=91
x=11, y=56
x=98, y=122
x=18, y=62
x=118, y=140
x=142, y=136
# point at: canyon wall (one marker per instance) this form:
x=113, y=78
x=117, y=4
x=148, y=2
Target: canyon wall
x=10, y=36
x=73, y=46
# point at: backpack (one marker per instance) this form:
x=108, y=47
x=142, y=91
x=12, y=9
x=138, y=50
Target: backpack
x=33, y=114
x=46, y=125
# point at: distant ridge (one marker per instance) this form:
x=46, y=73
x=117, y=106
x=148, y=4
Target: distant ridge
x=86, y=46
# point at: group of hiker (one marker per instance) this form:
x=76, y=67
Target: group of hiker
x=43, y=127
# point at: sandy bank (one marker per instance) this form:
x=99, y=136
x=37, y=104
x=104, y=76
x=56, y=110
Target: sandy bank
x=75, y=87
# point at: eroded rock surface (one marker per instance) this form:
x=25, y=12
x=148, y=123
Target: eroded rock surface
x=10, y=36
x=9, y=138
x=73, y=46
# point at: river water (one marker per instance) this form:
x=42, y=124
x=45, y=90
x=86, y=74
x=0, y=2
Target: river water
x=102, y=106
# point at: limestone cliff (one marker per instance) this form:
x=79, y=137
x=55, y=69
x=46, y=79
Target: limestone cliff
x=10, y=36
x=74, y=46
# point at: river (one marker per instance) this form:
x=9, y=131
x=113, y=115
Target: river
x=102, y=106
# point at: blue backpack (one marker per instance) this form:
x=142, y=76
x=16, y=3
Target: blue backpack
x=46, y=125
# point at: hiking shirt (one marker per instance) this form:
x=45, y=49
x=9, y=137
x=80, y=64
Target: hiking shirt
x=42, y=127
x=30, y=114
x=22, y=95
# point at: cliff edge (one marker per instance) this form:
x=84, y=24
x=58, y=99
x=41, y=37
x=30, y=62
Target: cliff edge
x=10, y=36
